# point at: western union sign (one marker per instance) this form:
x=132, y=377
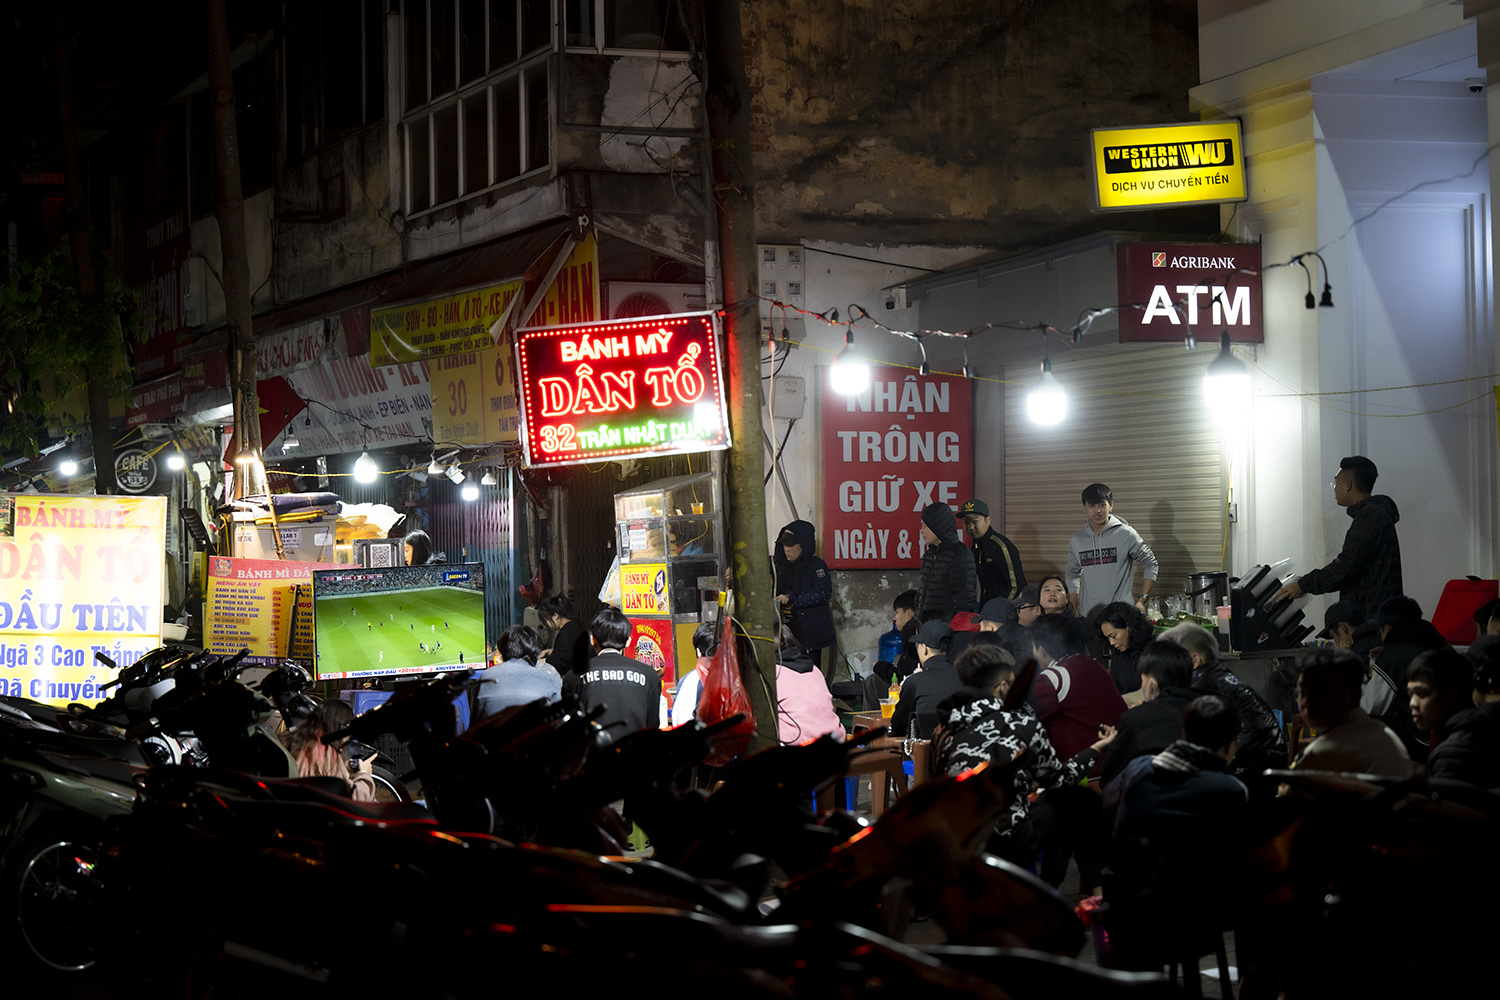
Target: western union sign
x=1153, y=165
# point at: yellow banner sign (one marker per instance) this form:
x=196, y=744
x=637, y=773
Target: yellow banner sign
x=474, y=398
x=451, y=324
x=1152, y=165
x=643, y=589
x=78, y=575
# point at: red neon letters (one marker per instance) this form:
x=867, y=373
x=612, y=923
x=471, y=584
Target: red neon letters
x=606, y=389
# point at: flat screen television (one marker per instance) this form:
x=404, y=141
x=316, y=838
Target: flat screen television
x=400, y=620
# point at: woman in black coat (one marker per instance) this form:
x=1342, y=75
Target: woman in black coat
x=1124, y=632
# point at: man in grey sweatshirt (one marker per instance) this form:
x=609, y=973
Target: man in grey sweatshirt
x=1102, y=555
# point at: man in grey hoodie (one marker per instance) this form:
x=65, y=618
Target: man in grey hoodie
x=1102, y=556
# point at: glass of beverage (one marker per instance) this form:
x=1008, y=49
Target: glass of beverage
x=887, y=707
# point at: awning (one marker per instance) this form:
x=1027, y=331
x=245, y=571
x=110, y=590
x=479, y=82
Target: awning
x=498, y=261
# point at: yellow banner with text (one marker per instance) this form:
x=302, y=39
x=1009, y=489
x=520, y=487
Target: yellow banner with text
x=78, y=576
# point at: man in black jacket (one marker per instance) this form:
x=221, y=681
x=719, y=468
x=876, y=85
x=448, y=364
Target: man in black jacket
x=1155, y=724
x=948, y=582
x=803, y=588
x=918, y=708
x=996, y=559
x=629, y=690
x=1368, y=568
x=1404, y=635
x=1466, y=738
x=1262, y=743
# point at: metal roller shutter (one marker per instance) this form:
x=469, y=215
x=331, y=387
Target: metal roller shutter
x=1136, y=421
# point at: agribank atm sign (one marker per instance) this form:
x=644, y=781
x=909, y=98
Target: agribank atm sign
x=1150, y=166
x=599, y=391
x=1172, y=290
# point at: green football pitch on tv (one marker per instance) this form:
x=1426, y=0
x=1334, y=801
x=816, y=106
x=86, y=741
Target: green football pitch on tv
x=370, y=635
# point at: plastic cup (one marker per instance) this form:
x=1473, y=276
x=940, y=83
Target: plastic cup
x=887, y=707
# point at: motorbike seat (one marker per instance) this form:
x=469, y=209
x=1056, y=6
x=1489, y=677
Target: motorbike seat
x=333, y=792
x=109, y=768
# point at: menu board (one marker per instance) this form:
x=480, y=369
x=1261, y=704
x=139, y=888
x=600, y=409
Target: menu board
x=251, y=603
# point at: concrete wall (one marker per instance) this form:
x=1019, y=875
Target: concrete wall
x=363, y=240
x=951, y=122
x=1413, y=309
x=835, y=279
x=1265, y=62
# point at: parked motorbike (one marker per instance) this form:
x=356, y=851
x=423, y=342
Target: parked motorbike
x=57, y=787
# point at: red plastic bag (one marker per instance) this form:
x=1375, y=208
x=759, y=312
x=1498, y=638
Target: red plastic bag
x=724, y=697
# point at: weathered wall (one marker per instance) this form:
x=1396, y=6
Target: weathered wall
x=952, y=121
x=350, y=182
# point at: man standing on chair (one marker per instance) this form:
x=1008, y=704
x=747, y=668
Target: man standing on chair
x=1368, y=568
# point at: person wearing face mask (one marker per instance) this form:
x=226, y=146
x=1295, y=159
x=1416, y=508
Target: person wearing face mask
x=803, y=588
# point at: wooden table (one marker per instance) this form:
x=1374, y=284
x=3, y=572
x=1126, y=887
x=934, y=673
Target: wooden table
x=884, y=760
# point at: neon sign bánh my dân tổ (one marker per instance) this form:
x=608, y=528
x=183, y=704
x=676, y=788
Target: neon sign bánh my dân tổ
x=598, y=391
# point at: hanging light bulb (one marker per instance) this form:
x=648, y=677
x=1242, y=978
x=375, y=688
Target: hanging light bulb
x=68, y=467
x=470, y=492
x=488, y=479
x=1047, y=402
x=365, y=469
x=290, y=441
x=1227, y=381
x=176, y=462
x=849, y=374
x=434, y=468
x=244, y=456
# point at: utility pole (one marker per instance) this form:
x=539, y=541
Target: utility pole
x=100, y=370
x=244, y=363
x=728, y=104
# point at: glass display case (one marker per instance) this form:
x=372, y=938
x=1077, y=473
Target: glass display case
x=676, y=522
x=670, y=536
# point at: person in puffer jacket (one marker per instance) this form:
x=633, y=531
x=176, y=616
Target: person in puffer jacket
x=803, y=588
x=948, y=581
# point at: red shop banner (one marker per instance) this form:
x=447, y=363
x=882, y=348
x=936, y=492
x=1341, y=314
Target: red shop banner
x=599, y=391
x=903, y=443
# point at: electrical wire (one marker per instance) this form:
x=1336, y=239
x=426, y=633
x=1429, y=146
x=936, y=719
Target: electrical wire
x=776, y=455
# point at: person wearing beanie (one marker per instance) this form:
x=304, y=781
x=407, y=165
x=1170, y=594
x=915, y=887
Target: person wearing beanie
x=948, y=582
x=997, y=562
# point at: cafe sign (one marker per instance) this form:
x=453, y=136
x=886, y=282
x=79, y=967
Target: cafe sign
x=1151, y=166
x=594, y=392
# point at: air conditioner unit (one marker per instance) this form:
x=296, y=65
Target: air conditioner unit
x=644, y=298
